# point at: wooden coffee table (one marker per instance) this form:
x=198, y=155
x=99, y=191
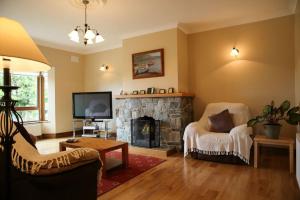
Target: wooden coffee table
x=101, y=145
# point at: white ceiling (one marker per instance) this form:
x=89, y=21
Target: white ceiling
x=50, y=21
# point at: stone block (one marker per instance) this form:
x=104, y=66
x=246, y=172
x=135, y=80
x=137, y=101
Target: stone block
x=174, y=105
x=175, y=123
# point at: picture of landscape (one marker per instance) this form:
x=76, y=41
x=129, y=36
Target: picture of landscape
x=148, y=64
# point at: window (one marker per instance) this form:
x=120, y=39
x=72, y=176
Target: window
x=30, y=95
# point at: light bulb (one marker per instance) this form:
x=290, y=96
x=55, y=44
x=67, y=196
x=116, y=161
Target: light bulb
x=74, y=36
x=99, y=38
x=234, y=52
x=89, y=34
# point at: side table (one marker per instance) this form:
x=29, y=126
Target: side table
x=281, y=141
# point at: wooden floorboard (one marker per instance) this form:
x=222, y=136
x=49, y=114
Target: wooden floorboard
x=179, y=179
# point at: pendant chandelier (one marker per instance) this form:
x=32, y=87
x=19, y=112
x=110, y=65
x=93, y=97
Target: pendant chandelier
x=88, y=35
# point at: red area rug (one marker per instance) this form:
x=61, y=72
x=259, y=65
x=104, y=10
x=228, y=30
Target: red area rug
x=137, y=165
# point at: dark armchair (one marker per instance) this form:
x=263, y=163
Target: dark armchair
x=68, y=175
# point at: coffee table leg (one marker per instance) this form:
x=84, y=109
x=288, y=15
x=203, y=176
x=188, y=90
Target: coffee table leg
x=102, y=156
x=125, y=155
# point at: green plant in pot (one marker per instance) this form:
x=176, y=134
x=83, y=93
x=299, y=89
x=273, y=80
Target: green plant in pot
x=272, y=115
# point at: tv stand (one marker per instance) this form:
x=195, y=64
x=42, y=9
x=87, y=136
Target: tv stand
x=90, y=127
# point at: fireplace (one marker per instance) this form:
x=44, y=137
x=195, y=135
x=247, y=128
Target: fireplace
x=174, y=112
x=145, y=132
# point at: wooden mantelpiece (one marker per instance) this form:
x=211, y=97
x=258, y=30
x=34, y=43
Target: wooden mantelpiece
x=130, y=96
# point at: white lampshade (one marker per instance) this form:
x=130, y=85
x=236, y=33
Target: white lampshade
x=17, y=46
x=90, y=41
x=89, y=34
x=74, y=36
x=99, y=38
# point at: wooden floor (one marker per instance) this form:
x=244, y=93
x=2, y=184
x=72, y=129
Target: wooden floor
x=190, y=179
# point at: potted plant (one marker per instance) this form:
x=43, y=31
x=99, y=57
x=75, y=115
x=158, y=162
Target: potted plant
x=272, y=115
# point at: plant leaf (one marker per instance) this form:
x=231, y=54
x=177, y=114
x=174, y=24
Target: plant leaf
x=252, y=122
x=293, y=110
x=285, y=106
x=294, y=118
x=267, y=110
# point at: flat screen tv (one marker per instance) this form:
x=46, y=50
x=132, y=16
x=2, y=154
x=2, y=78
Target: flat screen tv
x=92, y=105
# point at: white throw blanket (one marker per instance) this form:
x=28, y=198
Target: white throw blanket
x=238, y=142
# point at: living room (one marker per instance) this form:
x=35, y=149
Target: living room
x=212, y=54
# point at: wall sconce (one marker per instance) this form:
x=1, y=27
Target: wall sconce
x=103, y=67
x=234, y=52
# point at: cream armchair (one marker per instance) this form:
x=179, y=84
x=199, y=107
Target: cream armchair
x=198, y=139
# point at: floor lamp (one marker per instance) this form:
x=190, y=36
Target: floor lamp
x=18, y=53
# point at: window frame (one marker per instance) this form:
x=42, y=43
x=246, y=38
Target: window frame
x=40, y=100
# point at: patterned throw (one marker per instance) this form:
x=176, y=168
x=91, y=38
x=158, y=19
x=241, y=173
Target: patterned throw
x=137, y=165
x=28, y=160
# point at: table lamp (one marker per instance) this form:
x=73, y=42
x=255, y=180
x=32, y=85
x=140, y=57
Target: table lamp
x=18, y=53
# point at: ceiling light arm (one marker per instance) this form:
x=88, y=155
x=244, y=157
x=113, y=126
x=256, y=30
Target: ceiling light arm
x=85, y=2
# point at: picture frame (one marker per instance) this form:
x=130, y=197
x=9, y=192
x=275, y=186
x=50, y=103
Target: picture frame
x=142, y=91
x=135, y=92
x=171, y=90
x=151, y=90
x=148, y=64
x=162, y=91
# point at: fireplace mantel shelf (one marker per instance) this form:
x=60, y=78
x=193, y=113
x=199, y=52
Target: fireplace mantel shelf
x=131, y=96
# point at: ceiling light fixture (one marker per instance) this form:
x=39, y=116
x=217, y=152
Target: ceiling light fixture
x=90, y=36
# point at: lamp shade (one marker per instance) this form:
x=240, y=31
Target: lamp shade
x=17, y=46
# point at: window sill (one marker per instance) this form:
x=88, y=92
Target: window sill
x=35, y=122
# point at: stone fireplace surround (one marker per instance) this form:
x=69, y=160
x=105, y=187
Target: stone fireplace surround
x=175, y=112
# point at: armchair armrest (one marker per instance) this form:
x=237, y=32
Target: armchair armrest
x=27, y=159
x=241, y=130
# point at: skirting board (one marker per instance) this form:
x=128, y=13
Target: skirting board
x=63, y=134
x=59, y=135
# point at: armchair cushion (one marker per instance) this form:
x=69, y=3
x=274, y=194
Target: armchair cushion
x=221, y=122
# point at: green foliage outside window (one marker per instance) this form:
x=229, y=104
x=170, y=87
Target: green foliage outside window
x=26, y=95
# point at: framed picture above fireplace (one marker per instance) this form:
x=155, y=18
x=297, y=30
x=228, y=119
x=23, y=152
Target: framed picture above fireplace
x=148, y=64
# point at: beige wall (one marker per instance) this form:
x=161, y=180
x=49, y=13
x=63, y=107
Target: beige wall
x=297, y=53
x=263, y=72
x=164, y=39
x=119, y=76
x=96, y=80
x=183, y=64
x=66, y=77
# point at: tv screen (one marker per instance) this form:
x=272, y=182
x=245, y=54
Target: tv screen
x=92, y=105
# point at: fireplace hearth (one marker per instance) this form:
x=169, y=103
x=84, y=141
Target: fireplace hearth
x=145, y=132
